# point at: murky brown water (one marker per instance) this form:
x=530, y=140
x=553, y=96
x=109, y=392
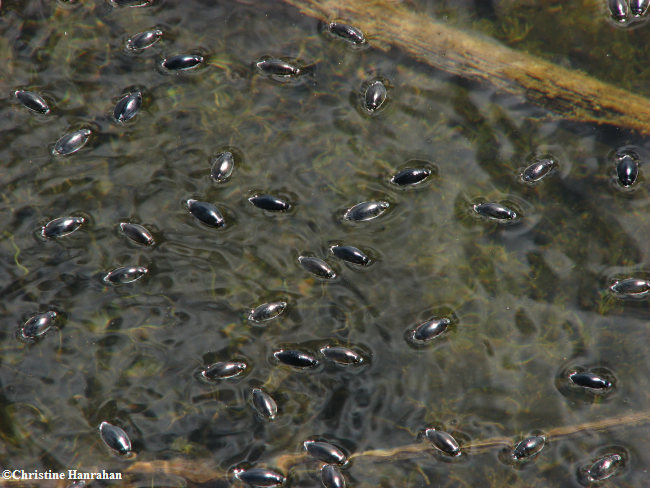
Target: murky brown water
x=530, y=301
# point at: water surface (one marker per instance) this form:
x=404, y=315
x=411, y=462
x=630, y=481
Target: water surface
x=530, y=300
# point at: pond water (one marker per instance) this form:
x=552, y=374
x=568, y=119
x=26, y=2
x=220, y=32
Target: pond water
x=529, y=302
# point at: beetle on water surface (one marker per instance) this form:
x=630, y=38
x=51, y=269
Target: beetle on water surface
x=182, y=62
x=443, y=441
x=317, y=267
x=206, y=212
x=266, y=311
x=529, y=447
x=351, y=34
x=224, y=370
x=264, y=404
x=295, y=358
x=326, y=452
x=126, y=274
x=222, y=166
x=375, y=96
x=127, y=107
x=32, y=101
x=143, y=40
x=71, y=143
x=62, y=226
x=38, y=325
x=115, y=438
x=137, y=233
x=260, y=477
x=538, y=170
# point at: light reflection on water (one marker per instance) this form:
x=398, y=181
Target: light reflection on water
x=530, y=299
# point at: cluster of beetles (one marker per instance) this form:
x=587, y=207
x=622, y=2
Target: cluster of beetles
x=372, y=99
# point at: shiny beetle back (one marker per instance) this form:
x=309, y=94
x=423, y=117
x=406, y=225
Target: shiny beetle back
x=341, y=355
x=61, y=227
x=605, y=467
x=332, y=477
x=410, y=176
x=639, y=7
x=270, y=203
x=364, y=211
x=631, y=288
x=260, y=477
x=32, y=101
x=223, y=370
x=529, y=447
x=347, y=32
x=619, y=10
x=627, y=169
x=115, y=438
x=495, y=211
x=264, y=404
x=266, y=311
x=143, y=40
x=38, y=325
x=131, y=3
x=278, y=68
x=71, y=143
x=590, y=380
x=375, y=96
x=317, y=266
x=443, y=441
x=326, y=452
x=182, y=62
x=137, y=233
x=297, y=359
x=429, y=330
x=538, y=170
x=206, y=212
x=222, y=167
x=350, y=254
x=127, y=107
x=127, y=274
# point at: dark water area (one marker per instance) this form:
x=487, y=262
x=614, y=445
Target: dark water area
x=529, y=301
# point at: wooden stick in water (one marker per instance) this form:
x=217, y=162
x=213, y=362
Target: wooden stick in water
x=568, y=93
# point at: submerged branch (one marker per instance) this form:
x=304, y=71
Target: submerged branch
x=568, y=93
x=201, y=471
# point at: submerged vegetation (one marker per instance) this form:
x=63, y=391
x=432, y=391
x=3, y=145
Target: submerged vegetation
x=258, y=260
